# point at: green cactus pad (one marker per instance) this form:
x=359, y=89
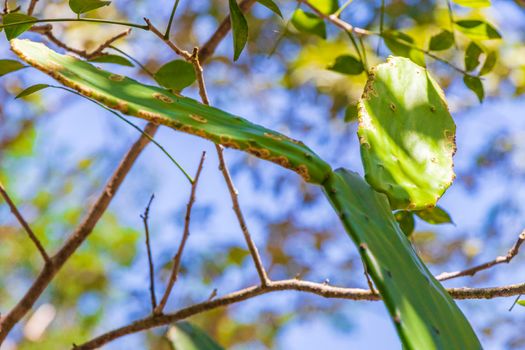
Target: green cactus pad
x=424, y=314
x=161, y=106
x=407, y=135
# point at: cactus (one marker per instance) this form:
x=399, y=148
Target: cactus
x=424, y=314
x=161, y=106
x=407, y=135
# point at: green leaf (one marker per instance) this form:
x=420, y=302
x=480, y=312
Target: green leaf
x=490, y=62
x=325, y=6
x=14, y=31
x=406, y=221
x=424, y=314
x=402, y=44
x=176, y=75
x=441, y=41
x=521, y=302
x=477, y=29
x=407, y=135
x=351, y=113
x=8, y=66
x=185, y=336
x=472, y=55
x=82, y=6
x=239, y=29
x=434, y=216
x=347, y=64
x=162, y=106
x=473, y=3
x=270, y=4
x=309, y=23
x=31, y=90
x=115, y=59
x=474, y=84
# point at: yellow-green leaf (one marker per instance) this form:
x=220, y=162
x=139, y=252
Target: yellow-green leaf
x=270, y=4
x=115, y=59
x=185, y=336
x=308, y=22
x=434, y=216
x=474, y=84
x=441, y=41
x=490, y=62
x=473, y=3
x=325, y=6
x=31, y=90
x=347, y=64
x=477, y=29
x=472, y=55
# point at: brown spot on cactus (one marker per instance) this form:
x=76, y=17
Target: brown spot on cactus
x=162, y=98
x=198, y=118
x=303, y=171
x=392, y=107
x=116, y=77
x=281, y=160
x=259, y=152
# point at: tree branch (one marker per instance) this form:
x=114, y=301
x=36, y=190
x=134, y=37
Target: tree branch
x=145, y=218
x=273, y=286
x=77, y=237
x=513, y=251
x=178, y=256
x=24, y=224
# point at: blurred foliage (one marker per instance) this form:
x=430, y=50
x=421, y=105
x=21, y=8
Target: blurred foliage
x=286, y=79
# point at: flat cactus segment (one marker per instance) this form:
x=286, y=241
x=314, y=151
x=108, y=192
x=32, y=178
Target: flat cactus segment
x=407, y=135
x=163, y=107
x=423, y=312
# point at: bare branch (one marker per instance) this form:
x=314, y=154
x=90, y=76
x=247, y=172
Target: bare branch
x=273, y=286
x=77, y=237
x=24, y=224
x=145, y=218
x=182, y=53
x=513, y=251
x=178, y=257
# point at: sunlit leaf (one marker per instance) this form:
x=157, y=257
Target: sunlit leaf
x=406, y=221
x=472, y=55
x=14, y=31
x=401, y=44
x=8, y=66
x=115, y=59
x=434, y=216
x=239, y=29
x=83, y=6
x=307, y=22
x=325, y=6
x=473, y=3
x=31, y=90
x=347, y=64
x=490, y=62
x=521, y=302
x=441, y=41
x=272, y=6
x=477, y=29
x=474, y=84
x=185, y=336
x=176, y=75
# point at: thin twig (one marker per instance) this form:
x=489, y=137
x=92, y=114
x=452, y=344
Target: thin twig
x=31, y=7
x=515, y=302
x=168, y=28
x=183, y=53
x=273, y=286
x=46, y=30
x=513, y=251
x=24, y=224
x=178, y=256
x=145, y=218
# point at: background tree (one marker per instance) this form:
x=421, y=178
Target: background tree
x=289, y=77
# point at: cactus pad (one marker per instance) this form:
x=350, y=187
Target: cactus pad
x=160, y=106
x=407, y=135
x=424, y=314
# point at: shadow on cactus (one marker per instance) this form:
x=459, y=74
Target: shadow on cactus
x=423, y=313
